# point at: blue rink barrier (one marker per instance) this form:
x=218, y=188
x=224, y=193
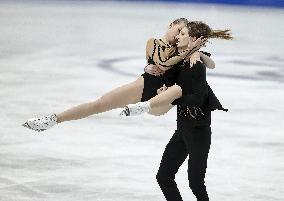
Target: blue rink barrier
x=268, y=3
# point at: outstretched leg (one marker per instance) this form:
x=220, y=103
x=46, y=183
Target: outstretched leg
x=119, y=97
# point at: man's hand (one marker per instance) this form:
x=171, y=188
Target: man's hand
x=162, y=89
x=153, y=70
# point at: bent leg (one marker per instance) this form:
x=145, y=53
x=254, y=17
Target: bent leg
x=167, y=97
x=119, y=97
x=174, y=155
x=158, y=111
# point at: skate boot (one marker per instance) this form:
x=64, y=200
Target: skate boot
x=42, y=123
x=136, y=109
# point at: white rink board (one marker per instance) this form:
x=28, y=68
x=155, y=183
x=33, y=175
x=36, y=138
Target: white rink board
x=56, y=55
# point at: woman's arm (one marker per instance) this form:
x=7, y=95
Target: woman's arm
x=164, y=58
x=204, y=57
x=209, y=63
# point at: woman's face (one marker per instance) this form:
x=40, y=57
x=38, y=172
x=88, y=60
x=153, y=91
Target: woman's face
x=183, y=38
x=173, y=31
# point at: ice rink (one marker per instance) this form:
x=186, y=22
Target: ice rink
x=59, y=54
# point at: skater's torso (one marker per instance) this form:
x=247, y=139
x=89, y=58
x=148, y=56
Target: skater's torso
x=160, y=53
x=194, y=94
x=192, y=81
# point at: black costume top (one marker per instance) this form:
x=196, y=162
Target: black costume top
x=195, y=93
x=164, y=55
x=152, y=82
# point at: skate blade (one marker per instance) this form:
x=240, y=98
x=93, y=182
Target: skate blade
x=26, y=125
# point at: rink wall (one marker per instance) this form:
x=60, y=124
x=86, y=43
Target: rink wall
x=268, y=3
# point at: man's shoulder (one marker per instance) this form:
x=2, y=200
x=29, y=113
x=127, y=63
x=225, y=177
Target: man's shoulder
x=198, y=69
x=199, y=65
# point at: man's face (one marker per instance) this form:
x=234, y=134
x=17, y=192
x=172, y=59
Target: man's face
x=183, y=38
x=173, y=31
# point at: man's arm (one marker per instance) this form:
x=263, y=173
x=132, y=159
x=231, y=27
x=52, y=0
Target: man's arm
x=199, y=88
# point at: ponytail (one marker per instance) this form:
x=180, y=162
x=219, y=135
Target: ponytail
x=221, y=34
x=198, y=29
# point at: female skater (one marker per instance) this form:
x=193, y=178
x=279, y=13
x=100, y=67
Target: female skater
x=193, y=136
x=161, y=103
x=161, y=52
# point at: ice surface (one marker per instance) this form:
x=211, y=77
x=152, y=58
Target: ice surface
x=59, y=54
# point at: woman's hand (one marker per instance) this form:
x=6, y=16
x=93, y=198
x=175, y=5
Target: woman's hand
x=153, y=70
x=198, y=43
x=193, y=58
x=162, y=89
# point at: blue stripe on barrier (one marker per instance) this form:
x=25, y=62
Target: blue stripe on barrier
x=270, y=3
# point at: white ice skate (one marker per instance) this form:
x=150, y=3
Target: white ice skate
x=136, y=109
x=42, y=123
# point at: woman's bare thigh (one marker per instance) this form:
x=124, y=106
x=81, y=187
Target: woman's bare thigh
x=123, y=95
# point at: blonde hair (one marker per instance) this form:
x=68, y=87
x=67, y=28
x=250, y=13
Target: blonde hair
x=180, y=20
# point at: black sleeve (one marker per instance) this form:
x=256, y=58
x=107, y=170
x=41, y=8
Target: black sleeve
x=206, y=53
x=199, y=88
x=213, y=101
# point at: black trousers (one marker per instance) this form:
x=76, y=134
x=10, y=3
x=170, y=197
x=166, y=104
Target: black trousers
x=195, y=142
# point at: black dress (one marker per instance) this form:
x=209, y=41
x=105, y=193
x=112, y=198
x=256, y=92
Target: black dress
x=152, y=82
